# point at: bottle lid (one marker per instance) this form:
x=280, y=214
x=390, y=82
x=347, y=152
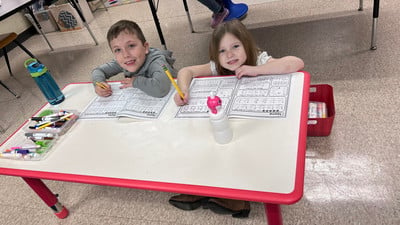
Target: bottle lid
x=34, y=67
x=214, y=103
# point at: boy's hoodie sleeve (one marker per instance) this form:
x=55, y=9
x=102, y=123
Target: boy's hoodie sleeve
x=105, y=71
x=156, y=83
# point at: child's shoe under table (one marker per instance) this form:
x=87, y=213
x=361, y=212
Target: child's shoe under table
x=188, y=202
x=237, y=208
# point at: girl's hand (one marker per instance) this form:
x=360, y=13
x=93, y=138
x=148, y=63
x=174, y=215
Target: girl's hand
x=179, y=101
x=127, y=82
x=245, y=70
x=104, y=91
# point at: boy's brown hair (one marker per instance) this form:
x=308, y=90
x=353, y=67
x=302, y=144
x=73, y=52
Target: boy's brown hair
x=237, y=29
x=125, y=26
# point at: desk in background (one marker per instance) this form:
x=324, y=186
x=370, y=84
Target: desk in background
x=153, y=9
x=9, y=7
x=263, y=163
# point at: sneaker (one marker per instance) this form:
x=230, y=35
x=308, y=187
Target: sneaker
x=217, y=18
x=188, y=202
x=237, y=208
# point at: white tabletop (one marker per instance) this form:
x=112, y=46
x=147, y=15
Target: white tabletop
x=261, y=157
x=8, y=6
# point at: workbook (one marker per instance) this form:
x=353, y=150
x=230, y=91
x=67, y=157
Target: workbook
x=127, y=102
x=263, y=96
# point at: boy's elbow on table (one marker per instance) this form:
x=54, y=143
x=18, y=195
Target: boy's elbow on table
x=154, y=89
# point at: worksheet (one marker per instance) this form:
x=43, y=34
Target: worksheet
x=128, y=102
x=263, y=96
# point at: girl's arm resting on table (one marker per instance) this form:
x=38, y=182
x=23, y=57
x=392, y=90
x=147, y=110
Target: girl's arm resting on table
x=185, y=77
x=287, y=64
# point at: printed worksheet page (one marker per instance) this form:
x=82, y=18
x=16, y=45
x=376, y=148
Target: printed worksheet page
x=200, y=89
x=250, y=97
x=261, y=97
x=129, y=102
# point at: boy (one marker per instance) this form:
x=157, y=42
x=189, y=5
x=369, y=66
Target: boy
x=142, y=65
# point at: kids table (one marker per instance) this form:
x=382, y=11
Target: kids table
x=263, y=163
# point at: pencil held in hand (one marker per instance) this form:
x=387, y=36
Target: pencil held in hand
x=173, y=82
x=101, y=85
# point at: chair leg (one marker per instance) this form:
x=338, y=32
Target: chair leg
x=8, y=89
x=185, y=5
x=26, y=50
x=104, y=5
x=7, y=61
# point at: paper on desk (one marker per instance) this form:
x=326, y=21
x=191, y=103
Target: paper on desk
x=128, y=102
x=250, y=97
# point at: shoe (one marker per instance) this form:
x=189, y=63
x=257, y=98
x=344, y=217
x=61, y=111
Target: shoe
x=188, y=202
x=237, y=208
x=217, y=18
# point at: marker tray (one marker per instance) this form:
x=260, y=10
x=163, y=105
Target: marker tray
x=60, y=128
x=321, y=126
x=23, y=151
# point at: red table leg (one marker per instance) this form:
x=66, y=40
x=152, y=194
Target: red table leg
x=47, y=196
x=274, y=216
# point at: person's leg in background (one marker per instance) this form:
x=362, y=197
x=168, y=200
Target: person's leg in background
x=218, y=9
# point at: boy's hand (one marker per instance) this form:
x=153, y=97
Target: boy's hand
x=246, y=71
x=103, y=90
x=179, y=101
x=127, y=82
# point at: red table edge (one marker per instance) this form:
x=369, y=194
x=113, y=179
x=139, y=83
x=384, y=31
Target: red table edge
x=248, y=195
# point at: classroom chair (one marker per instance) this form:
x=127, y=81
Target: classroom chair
x=5, y=40
x=95, y=1
x=236, y=11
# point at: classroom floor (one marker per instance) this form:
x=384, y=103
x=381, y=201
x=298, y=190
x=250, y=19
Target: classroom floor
x=352, y=176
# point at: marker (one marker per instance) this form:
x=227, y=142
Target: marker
x=11, y=155
x=45, y=118
x=173, y=81
x=40, y=135
x=40, y=138
x=50, y=123
x=22, y=151
x=30, y=156
x=101, y=85
x=33, y=146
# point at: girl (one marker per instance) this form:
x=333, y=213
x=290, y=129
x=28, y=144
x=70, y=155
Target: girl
x=232, y=51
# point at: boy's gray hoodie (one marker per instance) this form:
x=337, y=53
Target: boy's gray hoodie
x=150, y=78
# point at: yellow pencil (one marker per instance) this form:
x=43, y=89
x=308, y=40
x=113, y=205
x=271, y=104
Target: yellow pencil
x=50, y=123
x=173, y=82
x=103, y=86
